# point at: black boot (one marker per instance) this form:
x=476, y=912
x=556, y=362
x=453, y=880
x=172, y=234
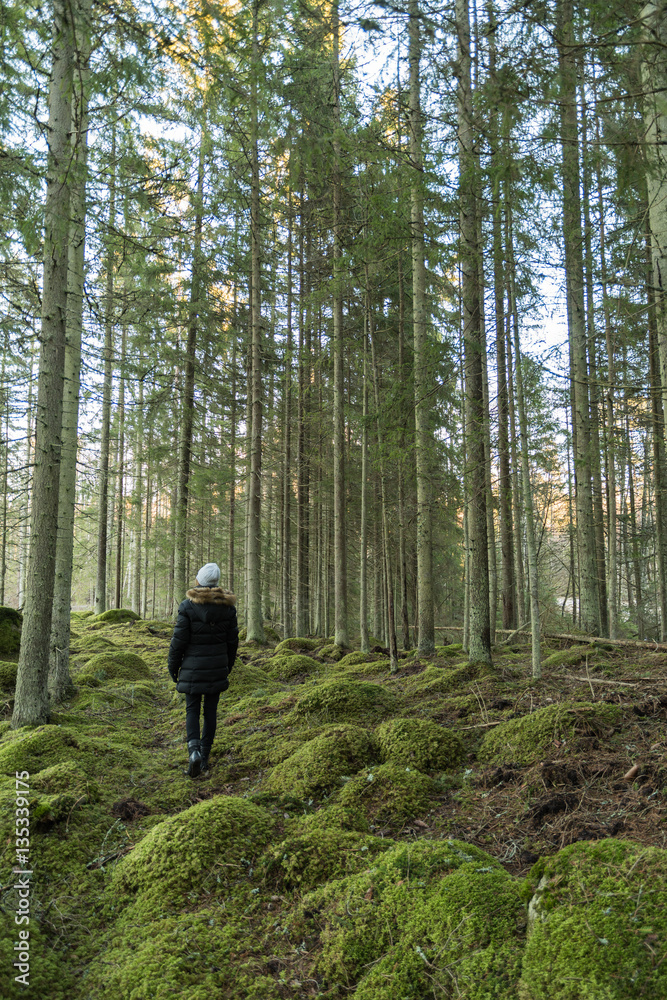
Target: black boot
x=194, y=763
x=205, y=751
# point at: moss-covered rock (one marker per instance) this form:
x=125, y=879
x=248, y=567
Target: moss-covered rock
x=598, y=925
x=11, y=622
x=8, y=675
x=453, y=649
x=439, y=680
x=210, y=845
x=320, y=764
x=114, y=616
x=296, y=645
x=530, y=738
x=58, y=790
x=116, y=666
x=289, y=665
x=87, y=646
x=419, y=743
x=336, y=699
x=315, y=855
x=388, y=793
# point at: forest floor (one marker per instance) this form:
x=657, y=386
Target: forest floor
x=311, y=860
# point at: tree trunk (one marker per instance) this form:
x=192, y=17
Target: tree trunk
x=60, y=683
x=422, y=383
x=31, y=705
x=479, y=648
x=574, y=276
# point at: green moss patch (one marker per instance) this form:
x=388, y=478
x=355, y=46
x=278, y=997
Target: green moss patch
x=439, y=680
x=8, y=675
x=210, y=845
x=36, y=749
x=289, y=665
x=316, y=855
x=356, y=657
x=419, y=743
x=454, y=649
x=247, y=679
x=86, y=646
x=11, y=622
x=115, y=615
x=332, y=651
x=567, y=657
x=598, y=924
x=388, y=793
x=339, y=700
x=529, y=739
x=117, y=666
x=49, y=974
x=320, y=764
x=296, y=645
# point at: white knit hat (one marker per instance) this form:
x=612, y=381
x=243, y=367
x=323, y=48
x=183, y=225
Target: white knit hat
x=209, y=575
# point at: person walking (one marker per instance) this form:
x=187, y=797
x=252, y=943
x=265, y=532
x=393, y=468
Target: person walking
x=201, y=656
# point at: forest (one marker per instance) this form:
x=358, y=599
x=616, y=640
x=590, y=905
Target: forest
x=366, y=303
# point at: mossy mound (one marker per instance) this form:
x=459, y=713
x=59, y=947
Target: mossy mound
x=453, y=649
x=116, y=666
x=529, y=739
x=316, y=855
x=389, y=793
x=246, y=679
x=11, y=622
x=56, y=791
x=209, y=845
x=567, y=657
x=355, y=658
x=361, y=918
x=332, y=651
x=296, y=644
x=598, y=924
x=287, y=666
x=8, y=675
x=419, y=743
x=35, y=750
x=320, y=764
x=439, y=680
x=337, y=699
x=464, y=939
x=115, y=616
x=90, y=644
x=49, y=974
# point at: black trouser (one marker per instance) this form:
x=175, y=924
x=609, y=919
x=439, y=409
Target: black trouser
x=192, y=711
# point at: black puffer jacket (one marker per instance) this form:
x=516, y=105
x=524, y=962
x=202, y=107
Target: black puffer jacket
x=206, y=637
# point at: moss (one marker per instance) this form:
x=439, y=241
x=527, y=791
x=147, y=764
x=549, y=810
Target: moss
x=210, y=845
x=36, y=749
x=389, y=793
x=599, y=924
x=296, y=645
x=419, y=743
x=120, y=666
x=332, y=651
x=320, y=764
x=356, y=657
x=530, y=738
x=567, y=657
x=11, y=622
x=57, y=790
x=88, y=645
x=454, y=649
x=340, y=699
x=287, y=666
x=8, y=674
x=50, y=973
x=439, y=680
x=361, y=917
x=315, y=855
x=115, y=615
x=463, y=939
x=246, y=679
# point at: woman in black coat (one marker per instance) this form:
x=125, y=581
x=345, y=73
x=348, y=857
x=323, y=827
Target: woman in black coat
x=201, y=656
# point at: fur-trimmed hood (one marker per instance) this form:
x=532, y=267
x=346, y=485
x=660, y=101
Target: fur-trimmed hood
x=211, y=595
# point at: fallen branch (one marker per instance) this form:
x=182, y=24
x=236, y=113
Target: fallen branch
x=601, y=680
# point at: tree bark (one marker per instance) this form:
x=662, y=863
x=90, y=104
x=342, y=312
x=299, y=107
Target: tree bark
x=31, y=705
